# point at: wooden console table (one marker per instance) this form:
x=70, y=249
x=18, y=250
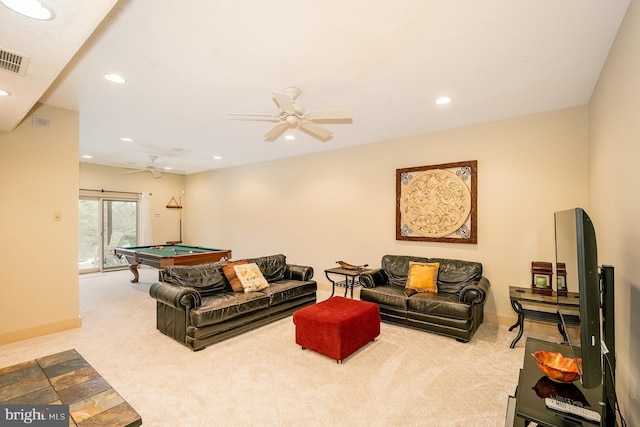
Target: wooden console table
x=543, y=308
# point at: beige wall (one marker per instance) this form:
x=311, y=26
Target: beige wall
x=340, y=205
x=38, y=257
x=614, y=133
x=40, y=175
x=165, y=223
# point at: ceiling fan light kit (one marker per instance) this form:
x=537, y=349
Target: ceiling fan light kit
x=293, y=115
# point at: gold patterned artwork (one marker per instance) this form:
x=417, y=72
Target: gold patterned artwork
x=437, y=203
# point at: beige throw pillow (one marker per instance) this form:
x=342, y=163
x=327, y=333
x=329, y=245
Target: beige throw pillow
x=423, y=277
x=251, y=277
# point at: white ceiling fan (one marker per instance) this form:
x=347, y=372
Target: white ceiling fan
x=293, y=115
x=151, y=167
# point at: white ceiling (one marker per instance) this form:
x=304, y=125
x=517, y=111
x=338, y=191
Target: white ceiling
x=190, y=63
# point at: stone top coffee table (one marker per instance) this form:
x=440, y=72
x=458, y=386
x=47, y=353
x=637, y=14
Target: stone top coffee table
x=66, y=378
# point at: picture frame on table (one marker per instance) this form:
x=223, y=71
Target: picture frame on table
x=561, y=279
x=542, y=281
x=541, y=275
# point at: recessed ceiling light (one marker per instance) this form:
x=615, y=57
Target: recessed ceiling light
x=32, y=8
x=217, y=157
x=87, y=156
x=125, y=139
x=443, y=100
x=168, y=168
x=290, y=137
x=114, y=78
x=4, y=92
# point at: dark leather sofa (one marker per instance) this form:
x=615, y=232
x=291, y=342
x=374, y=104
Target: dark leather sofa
x=456, y=310
x=196, y=305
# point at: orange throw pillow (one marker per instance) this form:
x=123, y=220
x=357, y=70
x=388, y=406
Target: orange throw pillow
x=230, y=274
x=423, y=276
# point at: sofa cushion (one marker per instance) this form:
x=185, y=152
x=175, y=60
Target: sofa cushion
x=273, y=267
x=454, y=274
x=423, y=276
x=250, y=276
x=397, y=267
x=230, y=273
x=207, y=278
x=288, y=290
x=442, y=304
x=221, y=307
x=389, y=295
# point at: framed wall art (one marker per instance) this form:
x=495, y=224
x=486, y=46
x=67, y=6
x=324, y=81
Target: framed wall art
x=437, y=203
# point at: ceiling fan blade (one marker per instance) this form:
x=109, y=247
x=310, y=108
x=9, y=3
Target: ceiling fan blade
x=134, y=171
x=334, y=114
x=257, y=118
x=276, y=130
x=284, y=102
x=156, y=174
x=315, y=129
x=253, y=114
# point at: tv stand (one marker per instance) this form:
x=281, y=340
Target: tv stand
x=534, y=387
x=528, y=406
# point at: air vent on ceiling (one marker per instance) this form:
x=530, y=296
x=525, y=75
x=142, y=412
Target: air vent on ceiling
x=13, y=62
x=41, y=122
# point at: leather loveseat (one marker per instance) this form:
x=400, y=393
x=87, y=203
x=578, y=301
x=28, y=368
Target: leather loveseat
x=456, y=310
x=197, y=306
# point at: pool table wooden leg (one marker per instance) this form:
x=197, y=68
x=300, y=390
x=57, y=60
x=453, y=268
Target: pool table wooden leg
x=134, y=269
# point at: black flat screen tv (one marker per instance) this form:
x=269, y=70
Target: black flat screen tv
x=576, y=247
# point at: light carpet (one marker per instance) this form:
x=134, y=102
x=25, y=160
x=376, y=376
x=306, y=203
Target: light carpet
x=405, y=378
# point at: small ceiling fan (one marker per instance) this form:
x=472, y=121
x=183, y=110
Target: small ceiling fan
x=151, y=167
x=293, y=115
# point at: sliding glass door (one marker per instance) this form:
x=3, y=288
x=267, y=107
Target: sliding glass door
x=119, y=228
x=89, y=235
x=105, y=223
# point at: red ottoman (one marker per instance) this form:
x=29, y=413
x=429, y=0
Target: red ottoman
x=337, y=327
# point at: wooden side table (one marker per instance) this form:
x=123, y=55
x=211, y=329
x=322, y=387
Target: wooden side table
x=543, y=308
x=351, y=278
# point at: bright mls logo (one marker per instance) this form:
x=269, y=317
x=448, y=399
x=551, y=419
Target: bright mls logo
x=34, y=415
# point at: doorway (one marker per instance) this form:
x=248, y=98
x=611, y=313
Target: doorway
x=105, y=223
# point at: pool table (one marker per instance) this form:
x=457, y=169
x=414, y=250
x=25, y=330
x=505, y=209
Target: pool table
x=160, y=256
